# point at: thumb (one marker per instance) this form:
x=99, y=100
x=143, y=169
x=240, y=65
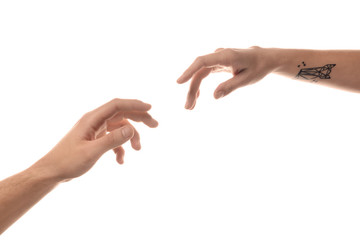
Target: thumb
x=230, y=85
x=114, y=139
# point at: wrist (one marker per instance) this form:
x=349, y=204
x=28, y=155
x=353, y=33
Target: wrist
x=42, y=173
x=287, y=61
x=275, y=59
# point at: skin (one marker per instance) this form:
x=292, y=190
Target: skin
x=249, y=66
x=98, y=131
x=107, y=127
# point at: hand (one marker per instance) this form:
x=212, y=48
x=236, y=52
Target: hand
x=98, y=131
x=247, y=66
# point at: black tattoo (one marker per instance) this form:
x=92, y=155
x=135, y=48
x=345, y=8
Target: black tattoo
x=316, y=72
x=303, y=63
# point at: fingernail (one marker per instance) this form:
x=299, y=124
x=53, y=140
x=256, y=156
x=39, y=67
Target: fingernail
x=219, y=94
x=126, y=131
x=187, y=105
x=178, y=81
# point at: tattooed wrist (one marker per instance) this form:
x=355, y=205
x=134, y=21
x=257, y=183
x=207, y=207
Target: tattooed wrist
x=315, y=73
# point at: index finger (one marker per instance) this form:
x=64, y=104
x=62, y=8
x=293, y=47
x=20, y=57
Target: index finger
x=98, y=116
x=206, y=61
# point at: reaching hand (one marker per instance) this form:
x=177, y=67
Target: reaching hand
x=247, y=66
x=98, y=131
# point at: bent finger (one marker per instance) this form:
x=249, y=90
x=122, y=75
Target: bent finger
x=194, y=87
x=206, y=61
x=232, y=84
x=98, y=116
x=144, y=117
x=113, y=139
x=120, y=153
x=135, y=139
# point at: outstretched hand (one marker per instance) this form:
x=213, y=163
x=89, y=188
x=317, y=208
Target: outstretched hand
x=247, y=66
x=98, y=131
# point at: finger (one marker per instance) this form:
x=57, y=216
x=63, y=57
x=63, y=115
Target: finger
x=230, y=85
x=197, y=96
x=135, y=140
x=206, y=61
x=144, y=117
x=194, y=87
x=98, y=116
x=120, y=153
x=113, y=139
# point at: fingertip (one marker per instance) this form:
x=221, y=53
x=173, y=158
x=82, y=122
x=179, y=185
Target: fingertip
x=154, y=124
x=127, y=131
x=184, y=78
x=120, y=158
x=180, y=79
x=148, y=106
x=219, y=94
x=190, y=108
x=136, y=146
x=190, y=100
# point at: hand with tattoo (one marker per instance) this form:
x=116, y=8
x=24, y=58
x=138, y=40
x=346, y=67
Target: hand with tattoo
x=332, y=68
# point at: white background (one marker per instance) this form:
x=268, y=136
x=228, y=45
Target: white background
x=275, y=160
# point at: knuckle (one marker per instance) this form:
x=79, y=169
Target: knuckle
x=200, y=60
x=85, y=119
x=117, y=103
x=255, y=47
x=227, y=55
x=228, y=52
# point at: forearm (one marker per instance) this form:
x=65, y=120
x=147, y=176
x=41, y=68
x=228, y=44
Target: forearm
x=20, y=192
x=103, y=129
x=334, y=68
